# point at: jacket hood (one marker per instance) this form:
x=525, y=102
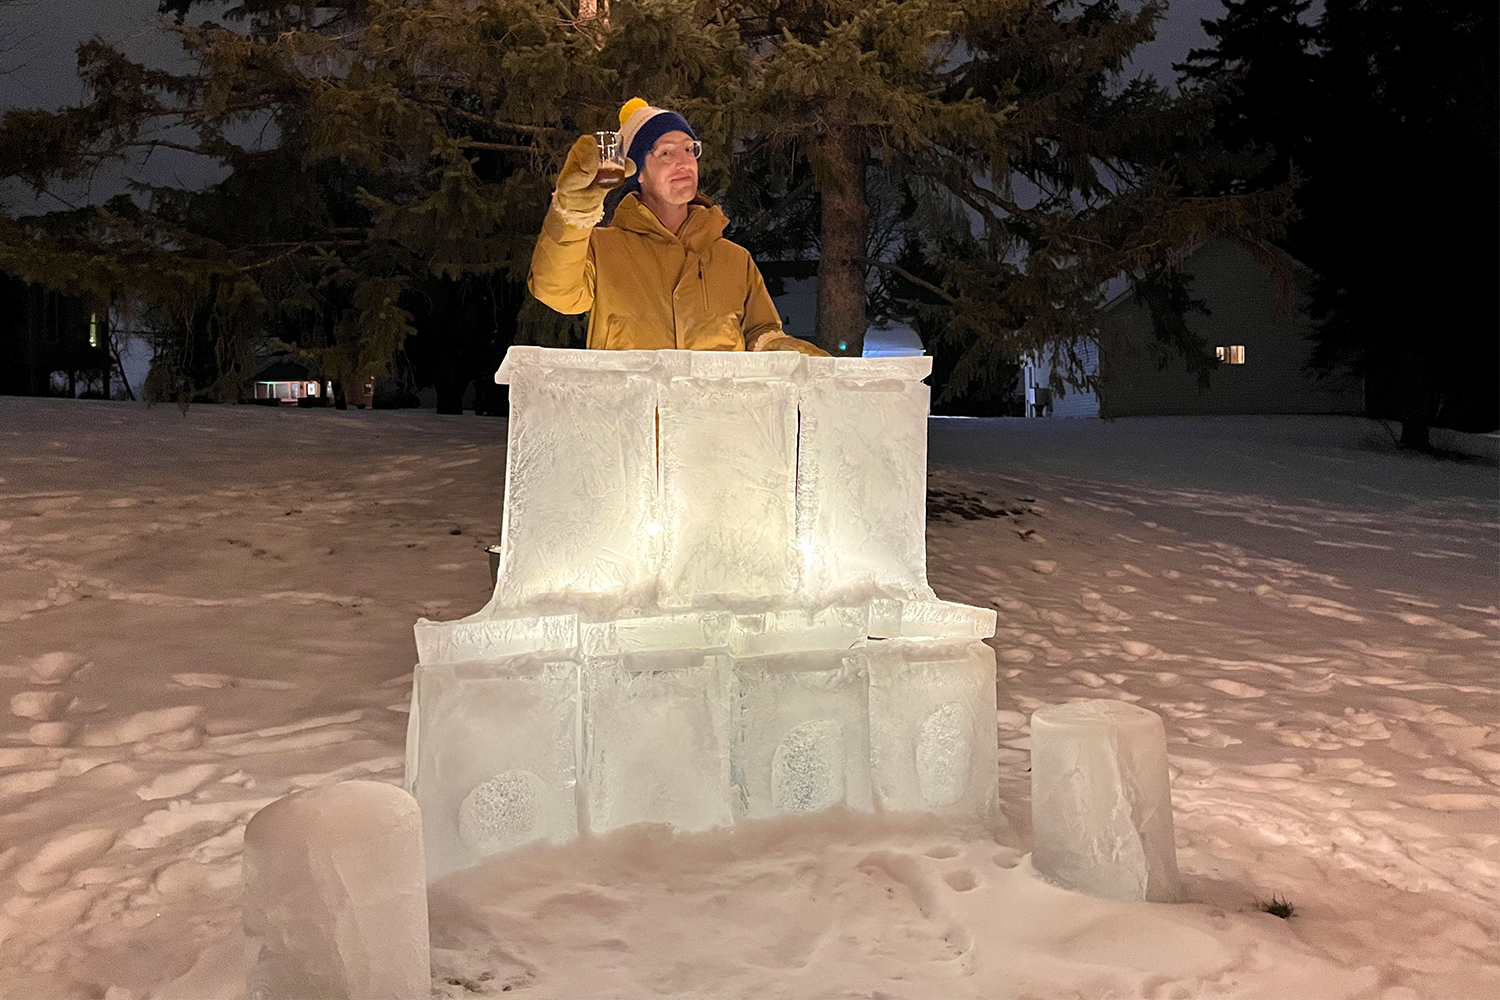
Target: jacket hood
x=705, y=222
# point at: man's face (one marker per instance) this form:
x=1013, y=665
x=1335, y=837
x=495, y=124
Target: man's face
x=670, y=173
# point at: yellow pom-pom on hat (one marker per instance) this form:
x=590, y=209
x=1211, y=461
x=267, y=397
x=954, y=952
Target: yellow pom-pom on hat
x=630, y=107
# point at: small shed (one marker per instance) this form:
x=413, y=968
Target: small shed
x=287, y=382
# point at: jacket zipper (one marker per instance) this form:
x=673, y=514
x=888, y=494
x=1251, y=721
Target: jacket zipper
x=704, y=285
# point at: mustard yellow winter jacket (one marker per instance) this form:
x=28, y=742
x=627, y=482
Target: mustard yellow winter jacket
x=646, y=288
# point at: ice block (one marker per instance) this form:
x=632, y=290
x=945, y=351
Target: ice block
x=862, y=487
x=336, y=896
x=932, y=728
x=728, y=493
x=656, y=740
x=579, y=520
x=801, y=733
x=491, y=749
x=1101, y=805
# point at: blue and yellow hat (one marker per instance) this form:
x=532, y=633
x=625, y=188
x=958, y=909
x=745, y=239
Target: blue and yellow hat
x=641, y=125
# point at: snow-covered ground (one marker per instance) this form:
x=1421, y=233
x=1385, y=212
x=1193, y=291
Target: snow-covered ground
x=200, y=614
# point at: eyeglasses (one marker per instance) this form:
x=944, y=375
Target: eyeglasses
x=666, y=152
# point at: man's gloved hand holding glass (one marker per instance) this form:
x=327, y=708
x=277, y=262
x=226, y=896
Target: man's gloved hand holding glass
x=577, y=198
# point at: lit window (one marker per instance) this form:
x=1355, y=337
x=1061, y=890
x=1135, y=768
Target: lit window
x=1232, y=355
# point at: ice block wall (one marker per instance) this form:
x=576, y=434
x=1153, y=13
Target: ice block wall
x=705, y=480
x=712, y=604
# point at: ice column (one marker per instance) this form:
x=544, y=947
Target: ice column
x=335, y=896
x=1101, y=804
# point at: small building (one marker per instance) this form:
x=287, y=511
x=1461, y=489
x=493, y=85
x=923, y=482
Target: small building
x=1261, y=336
x=288, y=382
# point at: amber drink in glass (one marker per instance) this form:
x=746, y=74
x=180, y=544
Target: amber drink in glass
x=611, y=160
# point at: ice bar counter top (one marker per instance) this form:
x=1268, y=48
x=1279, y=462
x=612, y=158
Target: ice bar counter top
x=712, y=605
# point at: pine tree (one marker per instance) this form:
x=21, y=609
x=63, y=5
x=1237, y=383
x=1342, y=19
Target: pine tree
x=1263, y=72
x=1389, y=114
x=989, y=144
x=1000, y=155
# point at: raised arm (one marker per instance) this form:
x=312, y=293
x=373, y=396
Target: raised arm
x=562, y=263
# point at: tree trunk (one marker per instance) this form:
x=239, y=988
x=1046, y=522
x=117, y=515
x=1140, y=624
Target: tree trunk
x=450, y=392
x=1416, y=399
x=841, y=276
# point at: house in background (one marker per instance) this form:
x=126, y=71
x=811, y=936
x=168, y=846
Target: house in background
x=1262, y=344
x=51, y=344
x=286, y=382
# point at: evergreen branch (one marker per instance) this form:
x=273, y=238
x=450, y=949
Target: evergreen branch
x=295, y=248
x=904, y=273
x=768, y=214
x=499, y=147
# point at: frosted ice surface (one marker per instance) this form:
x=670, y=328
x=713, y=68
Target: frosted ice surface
x=807, y=768
x=502, y=811
x=930, y=620
x=657, y=740
x=480, y=637
x=491, y=756
x=728, y=481
x=861, y=489
x=1101, y=805
x=932, y=728
x=580, y=488
x=336, y=897
x=798, y=631
x=801, y=733
x=688, y=630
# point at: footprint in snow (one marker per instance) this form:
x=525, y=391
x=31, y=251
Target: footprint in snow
x=54, y=668
x=40, y=706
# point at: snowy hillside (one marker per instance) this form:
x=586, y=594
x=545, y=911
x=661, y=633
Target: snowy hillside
x=200, y=614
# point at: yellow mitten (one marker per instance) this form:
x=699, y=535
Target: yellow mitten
x=576, y=198
x=785, y=343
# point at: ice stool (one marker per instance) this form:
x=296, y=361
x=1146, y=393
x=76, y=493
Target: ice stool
x=1101, y=802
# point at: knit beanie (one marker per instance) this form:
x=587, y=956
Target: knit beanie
x=641, y=125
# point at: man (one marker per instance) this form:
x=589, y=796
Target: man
x=661, y=275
